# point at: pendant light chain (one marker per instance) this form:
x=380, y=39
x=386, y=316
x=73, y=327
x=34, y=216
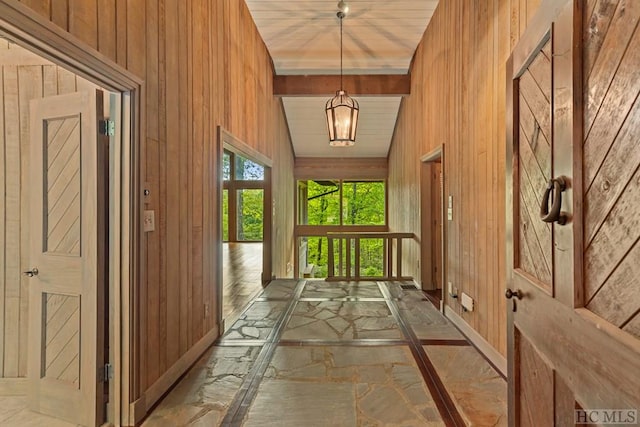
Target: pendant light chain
x=341, y=86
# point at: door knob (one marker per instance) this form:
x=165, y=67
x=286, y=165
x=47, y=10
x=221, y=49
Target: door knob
x=510, y=294
x=32, y=272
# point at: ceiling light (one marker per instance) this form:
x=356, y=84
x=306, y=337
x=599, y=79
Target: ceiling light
x=342, y=110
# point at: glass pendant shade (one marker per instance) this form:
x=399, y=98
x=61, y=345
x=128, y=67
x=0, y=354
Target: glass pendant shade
x=342, y=119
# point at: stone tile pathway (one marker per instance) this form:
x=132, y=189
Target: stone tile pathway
x=313, y=353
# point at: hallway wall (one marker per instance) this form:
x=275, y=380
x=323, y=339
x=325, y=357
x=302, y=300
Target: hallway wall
x=204, y=64
x=458, y=99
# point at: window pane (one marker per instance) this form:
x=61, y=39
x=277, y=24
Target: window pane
x=226, y=166
x=248, y=170
x=323, y=203
x=363, y=202
x=250, y=213
x=225, y=215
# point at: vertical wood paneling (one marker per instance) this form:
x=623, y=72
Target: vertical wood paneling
x=457, y=98
x=121, y=32
x=183, y=167
x=152, y=179
x=204, y=64
x=83, y=21
x=3, y=249
x=172, y=135
x=107, y=37
x=60, y=13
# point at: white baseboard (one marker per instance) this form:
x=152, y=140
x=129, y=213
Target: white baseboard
x=13, y=386
x=497, y=359
x=141, y=406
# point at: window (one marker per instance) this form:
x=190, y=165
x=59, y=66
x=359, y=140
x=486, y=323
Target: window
x=338, y=202
x=250, y=207
x=242, y=199
x=246, y=170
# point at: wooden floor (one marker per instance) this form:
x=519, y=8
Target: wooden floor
x=241, y=277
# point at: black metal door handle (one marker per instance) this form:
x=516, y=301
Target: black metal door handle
x=513, y=296
x=554, y=192
x=33, y=272
x=510, y=294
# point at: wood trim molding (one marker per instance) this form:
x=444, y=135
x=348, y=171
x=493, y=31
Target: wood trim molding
x=326, y=85
x=375, y=168
x=141, y=407
x=493, y=356
x=434, y=155
x=231, y=143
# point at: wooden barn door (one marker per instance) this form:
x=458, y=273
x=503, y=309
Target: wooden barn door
x=66, y=258
x=563, y=358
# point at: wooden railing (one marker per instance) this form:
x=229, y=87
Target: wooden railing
x=348, y=266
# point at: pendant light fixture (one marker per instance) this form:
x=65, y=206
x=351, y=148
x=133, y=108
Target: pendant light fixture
x=342, y=110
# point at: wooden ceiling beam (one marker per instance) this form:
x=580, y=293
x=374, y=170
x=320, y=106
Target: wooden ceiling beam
x=327, y=85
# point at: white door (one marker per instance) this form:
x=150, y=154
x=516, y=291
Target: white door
x=67, y=258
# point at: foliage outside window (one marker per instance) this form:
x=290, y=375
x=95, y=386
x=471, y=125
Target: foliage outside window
x=250, y=214
x=242, y=199
x=363, y=202
x=342, y=203
x=246, y=170
x=225, y=215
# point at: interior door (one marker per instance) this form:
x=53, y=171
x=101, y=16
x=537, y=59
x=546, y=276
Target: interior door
x=67, y=258
x=566, y=364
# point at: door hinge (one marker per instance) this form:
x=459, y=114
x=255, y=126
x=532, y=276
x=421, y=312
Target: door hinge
x=107, y=127
x=107, y=373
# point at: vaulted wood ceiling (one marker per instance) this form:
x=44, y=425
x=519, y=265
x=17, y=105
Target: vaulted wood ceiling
x=303, y=37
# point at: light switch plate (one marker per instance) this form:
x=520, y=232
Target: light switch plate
x=149, y=221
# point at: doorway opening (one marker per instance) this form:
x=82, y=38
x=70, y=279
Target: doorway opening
x=68, y=231
x=245, y=219
x=56, y=219
x=432, y=220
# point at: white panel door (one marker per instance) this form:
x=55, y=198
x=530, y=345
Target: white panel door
x=66, y=258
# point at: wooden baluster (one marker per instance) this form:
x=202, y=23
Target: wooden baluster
x=348, y=258
x=390, y=257
x=357, y=258
x=330, y=266
x=399, y=258
x=340, y=263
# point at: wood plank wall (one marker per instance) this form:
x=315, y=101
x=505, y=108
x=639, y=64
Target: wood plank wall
x=204, y=64
x=23, y=77
x=458, y=99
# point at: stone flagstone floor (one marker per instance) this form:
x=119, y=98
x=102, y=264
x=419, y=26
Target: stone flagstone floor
x=313, y=353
